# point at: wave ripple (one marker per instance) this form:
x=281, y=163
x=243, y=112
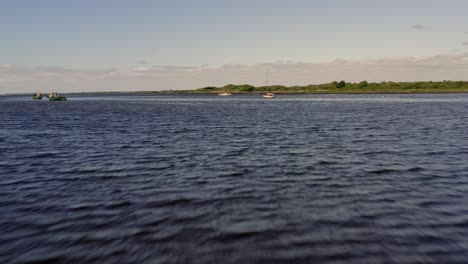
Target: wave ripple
x=197, y=179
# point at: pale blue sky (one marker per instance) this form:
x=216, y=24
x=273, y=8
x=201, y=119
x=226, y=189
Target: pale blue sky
x=116, y=34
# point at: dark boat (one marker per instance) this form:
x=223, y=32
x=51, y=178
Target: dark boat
x=56, y=97
x=37, y=96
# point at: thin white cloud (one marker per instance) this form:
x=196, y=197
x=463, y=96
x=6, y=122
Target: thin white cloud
x=175, y=68
x=421, y=27
x=141, y=69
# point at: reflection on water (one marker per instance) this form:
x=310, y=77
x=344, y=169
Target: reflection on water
x=203, y=179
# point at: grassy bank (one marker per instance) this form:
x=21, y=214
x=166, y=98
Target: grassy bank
x=342, y=87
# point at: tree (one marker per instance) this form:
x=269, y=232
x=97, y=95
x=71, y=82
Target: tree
x=341, y=84
x=363, y=84
x=209, y=88
x=229, y=87
x=246, y=88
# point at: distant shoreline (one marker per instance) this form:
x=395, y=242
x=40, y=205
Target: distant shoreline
x=342, y=87
x=299, y=93
x=256, y=93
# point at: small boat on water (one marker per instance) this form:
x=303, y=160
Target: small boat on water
x=37, y=96
x=56, y=97
x=269, y=95
x=225, y=94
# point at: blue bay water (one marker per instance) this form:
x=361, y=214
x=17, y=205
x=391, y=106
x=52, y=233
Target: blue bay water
x=203, y=179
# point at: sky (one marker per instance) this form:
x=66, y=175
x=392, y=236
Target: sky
x=122, y=45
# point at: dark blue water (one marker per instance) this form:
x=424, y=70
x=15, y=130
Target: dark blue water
x=202, y=179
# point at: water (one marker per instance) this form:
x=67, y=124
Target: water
x=202, y=179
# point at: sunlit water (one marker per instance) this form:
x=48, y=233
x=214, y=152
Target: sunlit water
x=205, y=179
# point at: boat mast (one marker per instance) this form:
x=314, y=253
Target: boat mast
x=267, y=76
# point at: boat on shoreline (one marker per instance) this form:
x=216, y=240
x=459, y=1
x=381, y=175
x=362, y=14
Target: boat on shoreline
x=56, y=97
x=269, y=95
x=225, y=94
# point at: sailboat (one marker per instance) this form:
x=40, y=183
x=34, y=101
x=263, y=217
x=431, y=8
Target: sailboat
x=268, y=95
x=225, y=94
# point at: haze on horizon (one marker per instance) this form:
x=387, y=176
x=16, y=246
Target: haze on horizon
x=113, y=45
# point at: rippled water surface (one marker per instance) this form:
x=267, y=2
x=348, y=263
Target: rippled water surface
x=204, y=179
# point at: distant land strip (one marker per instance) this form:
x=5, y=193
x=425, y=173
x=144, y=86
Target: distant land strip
x=363, y=87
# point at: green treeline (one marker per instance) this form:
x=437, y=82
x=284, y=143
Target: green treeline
x=345, y=87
